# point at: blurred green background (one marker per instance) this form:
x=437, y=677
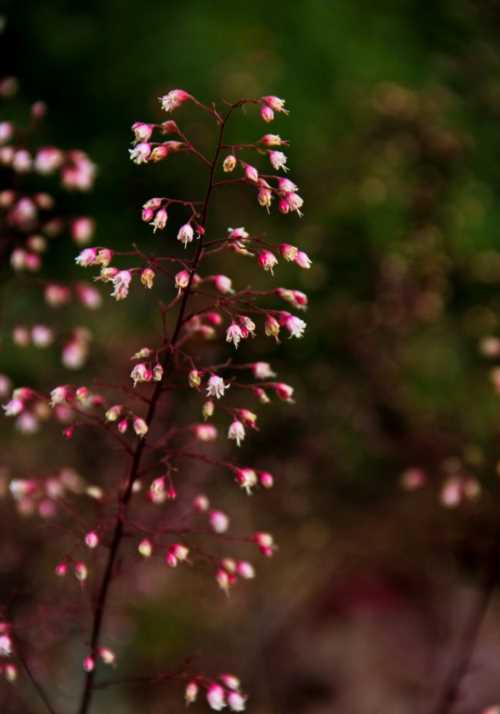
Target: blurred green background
x=395, y=143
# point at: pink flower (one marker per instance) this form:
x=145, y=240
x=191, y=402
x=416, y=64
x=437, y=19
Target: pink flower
x=191, y=693
x=140, y=427
x=283, y=391
x=205, y=432
x=276, y=104
x=267, y=260
x=236, y=701
x=185, y=234
x=160, y=220
x=293, y=324
x=88, y=664
x=87, y=257
x=266, y=113
x=262, y=370
x=142, y=131
x=238, y=233
x=223, y=284
x=91, y=539
x=140, y=153
x=145, y=548
x=171, y=101
x=182, y=279
x=288, y=252
x=234, y=334
x=141, y=373
x=219, y=522
x=278, y=160
x=247, y=478
x=272, y=140
x=266, y=479
x=251, y=173
x=216, y=697
x=303, y=260
x=82, y=229
x=121, y=284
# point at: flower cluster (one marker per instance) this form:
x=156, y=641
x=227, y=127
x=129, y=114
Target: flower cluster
x=148, y=416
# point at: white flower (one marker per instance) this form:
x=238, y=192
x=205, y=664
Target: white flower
x=216, y=387
x=173, y=99
x=121, y=284
x=234, y=334
x=236, y=702
x=5, y=646
x=140, y=153
x=140, y=373
x=87, y=257
x=215, y=697
x=295, y=326
x=262, y=370
x=13, y=407
x=185, y=234
x=278, y=160
x=236, y=233
x=58, y=396
x=236, y=432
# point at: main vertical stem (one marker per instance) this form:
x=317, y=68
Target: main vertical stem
x=123, y=502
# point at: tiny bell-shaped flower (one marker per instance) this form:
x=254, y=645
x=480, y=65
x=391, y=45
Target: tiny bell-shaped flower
x=236, y=701
x=236, y=432
x=234, y=334
x=113, y=412
x=276, y=103
x=216, y=387
x=140, y=153
x=160, y=220
x=207, y=409
x=267, y=260
x=81, y=571
x=302, y=260
x=283, y=391
x=229, y=164
x=216, y=697
x=278, y=160
x=142, y=131
x=247, y=478
x=147, y=278
x=191, y=692
x=182, y=279
x=185, y=234
x=145, y=548
x=107, y=655
x=251, y=173
x=223, y=284
x=121, y=284
x=171, y=101
x=272, y=326
x=194, y=378
x=262, y=370
x=219, y=521
x=266, y=113
x=91, y=539
x=88, y=664
x=140, y=427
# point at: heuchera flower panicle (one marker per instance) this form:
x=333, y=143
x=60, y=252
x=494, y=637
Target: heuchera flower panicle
x=203, y=306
